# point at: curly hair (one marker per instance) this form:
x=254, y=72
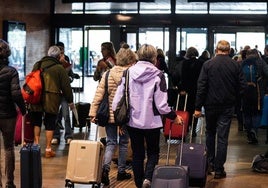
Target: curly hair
x=4, y=49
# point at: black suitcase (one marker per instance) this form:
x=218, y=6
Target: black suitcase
x=30, y=166
x=82, y=109
x=170, y=176
x=82, y=112
x=195, y=157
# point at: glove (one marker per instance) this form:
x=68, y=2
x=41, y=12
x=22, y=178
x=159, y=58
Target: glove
x=76, y=76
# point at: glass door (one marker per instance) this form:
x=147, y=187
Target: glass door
x=74, y=45
x=192, y=37
x=239, y=37
x=158, y=37
x=96, y=36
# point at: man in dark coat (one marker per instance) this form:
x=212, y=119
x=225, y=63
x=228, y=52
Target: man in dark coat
x=220, y=84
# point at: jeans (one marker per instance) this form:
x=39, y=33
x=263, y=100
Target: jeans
x=252, y=118
x=152, y=138
x=65, y=113
x=218, y=123
x=111, y=144
x=7, y=127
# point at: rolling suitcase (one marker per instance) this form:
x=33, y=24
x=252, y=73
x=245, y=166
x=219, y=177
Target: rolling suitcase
x=30, y=165
x=177, y=130
x=195, y=157
x=84, y=164
x=170, y=176
x=82, y=110
x=28, y=130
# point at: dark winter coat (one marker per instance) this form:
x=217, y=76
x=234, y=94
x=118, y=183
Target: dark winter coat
x=10, y=92
x=220, y=83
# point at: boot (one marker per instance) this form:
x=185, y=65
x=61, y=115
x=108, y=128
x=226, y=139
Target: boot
x=105, y=177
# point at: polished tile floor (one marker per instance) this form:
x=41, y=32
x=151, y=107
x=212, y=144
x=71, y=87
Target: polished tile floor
x=238, y=165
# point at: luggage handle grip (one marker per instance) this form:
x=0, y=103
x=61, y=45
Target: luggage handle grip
x=201, y=129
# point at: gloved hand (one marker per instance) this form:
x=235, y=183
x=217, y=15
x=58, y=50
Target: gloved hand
x=76, y=76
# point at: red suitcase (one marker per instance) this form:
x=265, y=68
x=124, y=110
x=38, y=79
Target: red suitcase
x=27, y=130
x=176, y=132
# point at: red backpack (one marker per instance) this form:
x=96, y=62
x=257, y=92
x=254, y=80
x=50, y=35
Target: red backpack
x=33, y=87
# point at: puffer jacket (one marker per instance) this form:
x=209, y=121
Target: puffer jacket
x=147, y=96
x=114, y=80
x=10, y=92
x=56, y=85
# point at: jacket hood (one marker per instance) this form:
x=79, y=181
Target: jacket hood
x=143, y=71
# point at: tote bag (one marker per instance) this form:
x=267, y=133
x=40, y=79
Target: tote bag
x=103, y=110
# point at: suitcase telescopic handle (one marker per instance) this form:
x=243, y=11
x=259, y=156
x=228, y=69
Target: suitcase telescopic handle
x=185, y=101
x=22, y=130
x=182, y=142
x=169, y=139
x=201, y=129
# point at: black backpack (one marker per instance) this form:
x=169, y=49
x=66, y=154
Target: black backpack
x=260, y=163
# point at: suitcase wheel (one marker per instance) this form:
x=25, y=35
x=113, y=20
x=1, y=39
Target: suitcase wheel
x=69, y=184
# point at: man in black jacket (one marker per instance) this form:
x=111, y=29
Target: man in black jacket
x=220, y=83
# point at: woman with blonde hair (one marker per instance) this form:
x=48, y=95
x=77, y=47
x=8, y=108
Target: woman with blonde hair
x=147, y=101
x=125, y=58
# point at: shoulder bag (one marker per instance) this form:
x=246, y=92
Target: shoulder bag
x=121, y=113
x=103, y=110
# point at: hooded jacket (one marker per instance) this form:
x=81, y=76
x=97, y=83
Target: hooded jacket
x=147, y=96
x=114, y=79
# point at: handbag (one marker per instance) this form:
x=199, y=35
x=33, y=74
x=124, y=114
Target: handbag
x=103, y=112
x=121, y=113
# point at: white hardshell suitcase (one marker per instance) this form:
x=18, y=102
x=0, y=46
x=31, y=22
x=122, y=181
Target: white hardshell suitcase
x=84, y=165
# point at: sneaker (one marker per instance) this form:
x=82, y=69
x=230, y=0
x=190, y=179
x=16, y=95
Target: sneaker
x=220, y=175
x=146, y=183
x=105, y=177
x=123, y=176
x=68, y=141
x=55, y=141
x=49, y=154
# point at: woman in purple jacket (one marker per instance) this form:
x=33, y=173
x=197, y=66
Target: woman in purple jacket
x=148, y=101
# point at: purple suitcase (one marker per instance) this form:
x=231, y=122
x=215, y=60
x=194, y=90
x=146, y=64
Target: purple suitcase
x=170, y=176
x=195, y=157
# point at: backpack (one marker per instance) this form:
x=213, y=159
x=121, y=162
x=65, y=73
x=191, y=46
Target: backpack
x=33, y=87
x=260, y=163
x=252, y=92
